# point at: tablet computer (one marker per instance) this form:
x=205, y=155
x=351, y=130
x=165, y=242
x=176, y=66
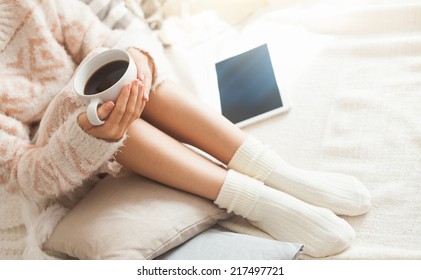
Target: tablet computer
x=247, y=86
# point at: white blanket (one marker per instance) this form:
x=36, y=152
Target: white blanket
x=353, y=75
x=352, y=72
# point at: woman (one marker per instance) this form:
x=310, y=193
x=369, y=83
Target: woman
x=41, y=46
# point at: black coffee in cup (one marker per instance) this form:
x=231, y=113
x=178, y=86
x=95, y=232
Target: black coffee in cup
x=105, y=76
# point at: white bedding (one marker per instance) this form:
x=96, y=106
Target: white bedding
x=353, y=74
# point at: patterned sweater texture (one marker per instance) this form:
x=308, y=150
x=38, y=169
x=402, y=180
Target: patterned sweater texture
x=47, y=162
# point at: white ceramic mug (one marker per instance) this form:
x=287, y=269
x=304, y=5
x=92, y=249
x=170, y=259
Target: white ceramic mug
x=88, y=68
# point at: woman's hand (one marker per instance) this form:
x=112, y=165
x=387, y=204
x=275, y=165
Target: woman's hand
x=118, y=117
x=145, y=69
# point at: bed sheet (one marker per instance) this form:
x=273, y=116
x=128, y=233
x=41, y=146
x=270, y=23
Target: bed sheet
x=352, y=74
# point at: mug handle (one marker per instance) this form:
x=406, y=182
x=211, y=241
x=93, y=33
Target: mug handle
x=92, y=113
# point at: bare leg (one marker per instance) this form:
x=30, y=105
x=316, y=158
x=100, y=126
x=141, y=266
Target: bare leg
x=180, y=114
x=151, y=153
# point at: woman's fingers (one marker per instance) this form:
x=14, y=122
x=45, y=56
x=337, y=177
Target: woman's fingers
x=103, y=112
x=130, y=105
x=118, y=116
x=120, y=106
x=143, y=70
x=140, y=102
x=146, y=81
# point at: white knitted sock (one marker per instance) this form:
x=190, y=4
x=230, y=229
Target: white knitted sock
x=284, y=217
x=343, y=194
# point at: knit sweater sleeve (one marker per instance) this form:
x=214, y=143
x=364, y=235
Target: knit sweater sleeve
x=70, y=156
x=34, y=171
x=82, y=32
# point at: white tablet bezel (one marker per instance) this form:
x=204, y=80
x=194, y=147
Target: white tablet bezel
x=213, y=97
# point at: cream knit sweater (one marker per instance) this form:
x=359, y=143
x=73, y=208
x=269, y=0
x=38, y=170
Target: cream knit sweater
x=41, y=44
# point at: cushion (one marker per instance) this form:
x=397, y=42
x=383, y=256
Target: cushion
x=131, y=217
x=216, y=244
x=116, y=14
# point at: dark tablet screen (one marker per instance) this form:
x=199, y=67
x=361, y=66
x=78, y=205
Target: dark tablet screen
x=247, y=85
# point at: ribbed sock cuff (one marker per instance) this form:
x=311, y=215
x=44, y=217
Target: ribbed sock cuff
x=254, y=159
x=239, y=193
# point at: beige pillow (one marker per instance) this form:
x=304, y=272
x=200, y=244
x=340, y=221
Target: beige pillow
x=130, y=217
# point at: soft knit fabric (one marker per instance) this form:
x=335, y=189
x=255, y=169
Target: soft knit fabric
x=343, y=194
x=285, y=217
x=41, y=44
